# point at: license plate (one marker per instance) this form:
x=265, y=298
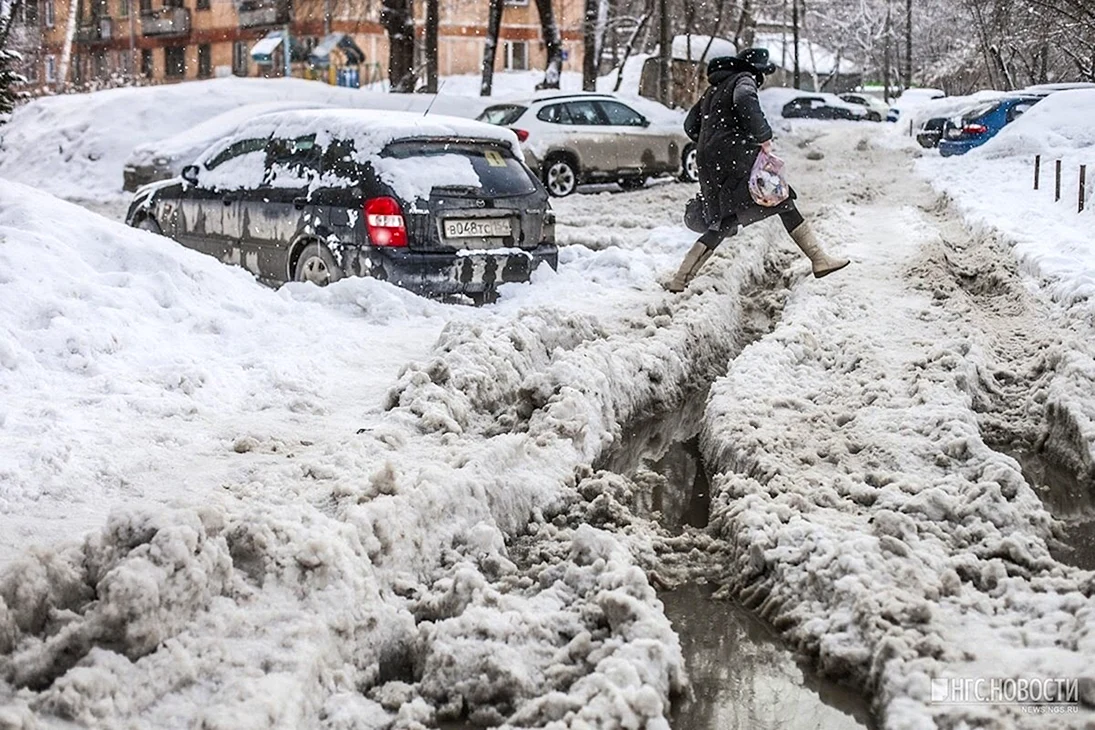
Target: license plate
x=478, y=228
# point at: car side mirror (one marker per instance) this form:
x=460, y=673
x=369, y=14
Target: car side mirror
x=645, y=122
x=190, y=174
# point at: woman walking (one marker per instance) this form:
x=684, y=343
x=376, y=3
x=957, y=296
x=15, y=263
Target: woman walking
x=729, y=130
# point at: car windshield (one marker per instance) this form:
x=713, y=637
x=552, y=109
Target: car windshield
x=494, y=170
x=504, y=114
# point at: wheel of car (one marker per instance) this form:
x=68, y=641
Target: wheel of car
x=149, y=224
x=560, y=176
x=874, y=117
x=690, y=171
x=317, y=264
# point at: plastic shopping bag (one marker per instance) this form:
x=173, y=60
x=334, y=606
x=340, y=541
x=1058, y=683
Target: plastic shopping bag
x=766, y=182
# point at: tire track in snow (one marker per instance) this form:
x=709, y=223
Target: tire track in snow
x=863, y=512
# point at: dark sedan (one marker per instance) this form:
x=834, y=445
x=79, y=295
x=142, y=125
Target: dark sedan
x=823, y=106
x=433, y=204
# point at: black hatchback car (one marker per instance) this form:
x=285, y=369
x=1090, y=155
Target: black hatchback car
x=437, y=205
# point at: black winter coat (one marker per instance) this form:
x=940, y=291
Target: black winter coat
x=728, y=126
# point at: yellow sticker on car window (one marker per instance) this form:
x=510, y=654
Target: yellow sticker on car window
x=494, y=159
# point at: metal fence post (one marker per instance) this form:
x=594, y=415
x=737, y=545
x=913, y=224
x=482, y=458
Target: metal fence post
x=1083, y=184
x=1057, y=188
x=1037, y=170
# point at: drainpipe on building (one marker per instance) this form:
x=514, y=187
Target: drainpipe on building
x=133, y=37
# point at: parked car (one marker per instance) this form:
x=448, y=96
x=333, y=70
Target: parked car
x=876, y=108
x=929, y=135
x=823, y=106
x=978, y=125
x=912, y=98
x=165, y=158
x=437, y=205
x=571, y=139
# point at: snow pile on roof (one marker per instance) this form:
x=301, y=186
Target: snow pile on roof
x=1059, y=124
x=701, y=47
x=812, y=57
x=74, y=146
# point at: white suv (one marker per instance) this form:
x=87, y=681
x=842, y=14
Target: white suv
x=574, y=138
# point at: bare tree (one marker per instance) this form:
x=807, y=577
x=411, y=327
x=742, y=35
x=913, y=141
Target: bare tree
x=490, y=47
x=397, y=17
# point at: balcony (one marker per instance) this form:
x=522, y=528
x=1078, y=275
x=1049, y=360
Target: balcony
x=260, y=13
x=165, y=22
x=96, y=31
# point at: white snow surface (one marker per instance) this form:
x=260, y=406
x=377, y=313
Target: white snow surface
x=224, y=506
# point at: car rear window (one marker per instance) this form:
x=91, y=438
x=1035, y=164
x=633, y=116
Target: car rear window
x=502, y=115
x=494, y=166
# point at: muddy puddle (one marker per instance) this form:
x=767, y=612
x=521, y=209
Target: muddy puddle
x=1068, y=499
x=742, y=674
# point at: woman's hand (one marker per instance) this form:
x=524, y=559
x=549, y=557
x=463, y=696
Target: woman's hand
x=766, y=146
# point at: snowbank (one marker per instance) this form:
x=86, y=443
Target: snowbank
x=1059, y=125
x=74, y=147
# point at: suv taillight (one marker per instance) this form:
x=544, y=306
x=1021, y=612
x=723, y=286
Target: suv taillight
x=522, y=134
x=975, y=129
x=384, y=222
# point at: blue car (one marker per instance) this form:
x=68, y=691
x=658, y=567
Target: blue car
x=978, y=125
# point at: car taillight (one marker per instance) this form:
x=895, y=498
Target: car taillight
x=975, y=129
x=384, y=222
x=522, y=134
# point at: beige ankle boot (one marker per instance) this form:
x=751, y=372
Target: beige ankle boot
x=822, y=263
x=695, y=258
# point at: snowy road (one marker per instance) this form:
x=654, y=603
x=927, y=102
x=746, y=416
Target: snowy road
x=429, y=541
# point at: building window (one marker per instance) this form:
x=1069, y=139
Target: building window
x=123, y=8
x=30, y=12
x=517, y=55
x=174, y=62
x=50, y=18
x=205, y=61
x=31, y=72
x=125, y=63
x=51, y=69
x=146, y=62
x=146, y=6
x=203, y=4
x=239, y=58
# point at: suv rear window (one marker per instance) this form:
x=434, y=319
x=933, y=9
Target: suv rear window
x=499, y=172
x=502, y=115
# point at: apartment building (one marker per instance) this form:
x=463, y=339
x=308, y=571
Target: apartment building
x=176, y=40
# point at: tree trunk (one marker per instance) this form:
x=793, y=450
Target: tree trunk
x=907, y=76
x=432, y=21
x=397, y=17
x=589, y=46
x=797, y=76
x=665, y=54
x=745, y=22
x=490, y=48
x=70, y=37
x=553, y=44
x=629, y=47
x=886, y=57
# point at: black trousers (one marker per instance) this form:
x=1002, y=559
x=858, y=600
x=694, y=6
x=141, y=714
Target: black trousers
x=792, y=219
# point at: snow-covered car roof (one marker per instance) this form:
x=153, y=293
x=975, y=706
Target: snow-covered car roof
x=188, y=144
x=370, y=130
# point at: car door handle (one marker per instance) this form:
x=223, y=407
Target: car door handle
x=299, y=203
